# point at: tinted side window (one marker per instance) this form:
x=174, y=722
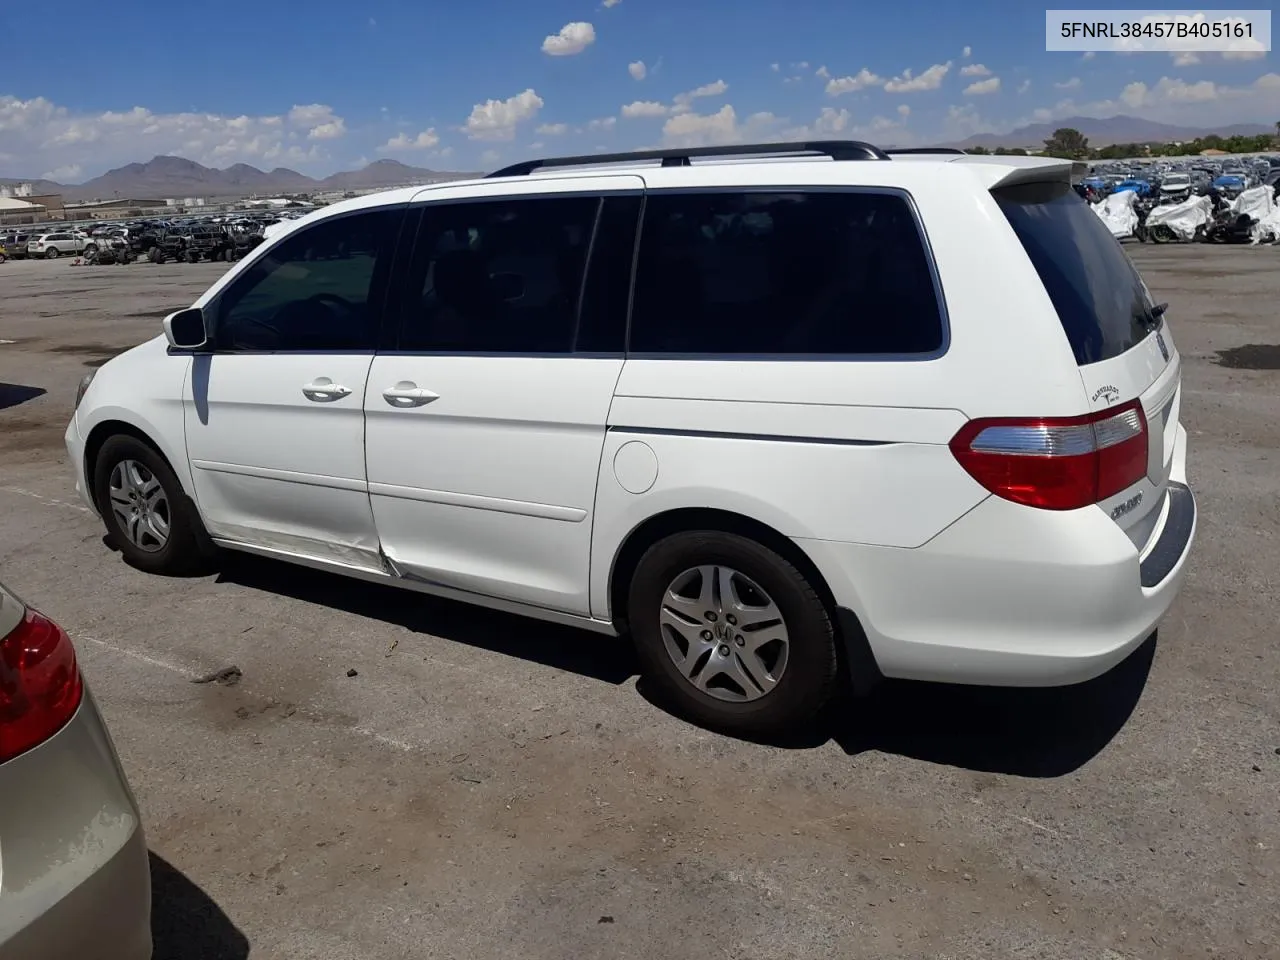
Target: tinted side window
x=319, y=289
x=498, y=276
x=606, y=296
x=1102, y=303
x=783, y=273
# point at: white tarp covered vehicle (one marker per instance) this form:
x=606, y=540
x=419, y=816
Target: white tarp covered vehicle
x=1118, y=214
x=1267, y=229
x=1179, y=221
x=1259, y=204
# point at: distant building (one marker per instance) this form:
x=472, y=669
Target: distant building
x=15, y=211
x=107, y=209
x=17, y=190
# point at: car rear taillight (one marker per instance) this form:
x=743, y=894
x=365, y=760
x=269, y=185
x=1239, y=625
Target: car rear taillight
x=1056, y=463
x=40, y=686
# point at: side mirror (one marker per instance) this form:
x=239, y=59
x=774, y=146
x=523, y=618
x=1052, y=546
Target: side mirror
x=185, y=329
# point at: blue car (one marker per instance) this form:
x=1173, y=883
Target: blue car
x=1141, y=187
x=1229, y=186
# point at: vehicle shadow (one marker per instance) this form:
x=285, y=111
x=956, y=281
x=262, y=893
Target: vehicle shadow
x=579, y=651
x=12, y=394
x=1025, y=732
x=186, y=923
x=1040, y=732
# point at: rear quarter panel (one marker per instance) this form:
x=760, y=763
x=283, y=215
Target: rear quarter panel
x=851, y=450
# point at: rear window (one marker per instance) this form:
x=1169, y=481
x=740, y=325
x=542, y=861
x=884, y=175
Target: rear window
x=1104, y=306
x=793, y=273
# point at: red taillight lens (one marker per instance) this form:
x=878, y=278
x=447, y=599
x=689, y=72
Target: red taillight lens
x=1056, y=463
x=40, y=685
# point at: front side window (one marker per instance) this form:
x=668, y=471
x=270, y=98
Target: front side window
x=783, y=273
x=498, y=275
x=319, y=289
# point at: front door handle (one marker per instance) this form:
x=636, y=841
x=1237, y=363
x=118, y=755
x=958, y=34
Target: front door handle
x=324, y=390
x=406, y=393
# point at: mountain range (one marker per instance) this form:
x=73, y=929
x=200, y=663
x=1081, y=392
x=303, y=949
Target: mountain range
x=165, y=177
x=169, y=177
x=1104, y=132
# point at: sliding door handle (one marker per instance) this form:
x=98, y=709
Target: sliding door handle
x=324, y=390
x=406, y=393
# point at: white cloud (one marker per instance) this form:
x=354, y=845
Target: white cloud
x=611, y=3
x=67, y=172
x=975, y=70
x=930, y=79
x=775, y=67
x=864, y=78
x=832, y=121
x=822, y=72
x=1185, y=58
x=693, y=129
x=1072, y=84
x=497, y=119
x=1024, y=86
x=982, y=87
x=637, y=69
x=319, y=119
x=38, y=134
x=962, y=121
x=1179, y=90
x=1244, y=54
x=328, y=131
x=573, y=38
x=1089, y=55
x=684, y=101
x=800, y=65
x=552, y=129
x=423, y=141
x=966, y=52
x=644, y=108
x=602, y=123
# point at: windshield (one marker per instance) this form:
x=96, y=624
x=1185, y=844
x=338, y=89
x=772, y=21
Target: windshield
x=1102, y=303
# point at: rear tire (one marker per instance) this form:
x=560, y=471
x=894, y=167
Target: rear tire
x=148, y=516
x=759, y=661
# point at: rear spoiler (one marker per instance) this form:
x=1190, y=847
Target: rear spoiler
x=996, y=172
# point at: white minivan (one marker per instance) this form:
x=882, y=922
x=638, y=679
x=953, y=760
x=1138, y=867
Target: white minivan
x=781, y=414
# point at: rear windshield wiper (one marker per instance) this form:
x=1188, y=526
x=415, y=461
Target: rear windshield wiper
x=1153, y=318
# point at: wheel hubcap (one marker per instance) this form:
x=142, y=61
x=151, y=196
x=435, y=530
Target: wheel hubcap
x=140, y=506
x=725, y=635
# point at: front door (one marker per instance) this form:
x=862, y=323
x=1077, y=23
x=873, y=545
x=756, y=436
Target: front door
x=274, y=414
x=485, y=426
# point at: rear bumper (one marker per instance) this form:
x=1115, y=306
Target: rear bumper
x=1012, y=596
x=76, y=878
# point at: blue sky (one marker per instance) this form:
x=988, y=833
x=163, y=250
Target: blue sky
x=466, y=85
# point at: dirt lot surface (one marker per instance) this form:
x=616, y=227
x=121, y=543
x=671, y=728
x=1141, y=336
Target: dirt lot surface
x=490, y=787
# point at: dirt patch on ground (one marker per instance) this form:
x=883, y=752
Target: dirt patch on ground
x=1251, y=356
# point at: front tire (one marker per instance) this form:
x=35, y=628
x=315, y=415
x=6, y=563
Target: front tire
x=732, y=634
x=51, y=253
x=149, y=517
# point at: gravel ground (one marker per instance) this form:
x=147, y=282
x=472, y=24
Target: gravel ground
x=485, y=786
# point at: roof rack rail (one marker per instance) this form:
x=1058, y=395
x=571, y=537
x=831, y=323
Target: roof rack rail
x=923, y=150
x=680, y=156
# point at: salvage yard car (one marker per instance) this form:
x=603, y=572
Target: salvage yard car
x=77, y=881
x=54, y=245
x=807, y=413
